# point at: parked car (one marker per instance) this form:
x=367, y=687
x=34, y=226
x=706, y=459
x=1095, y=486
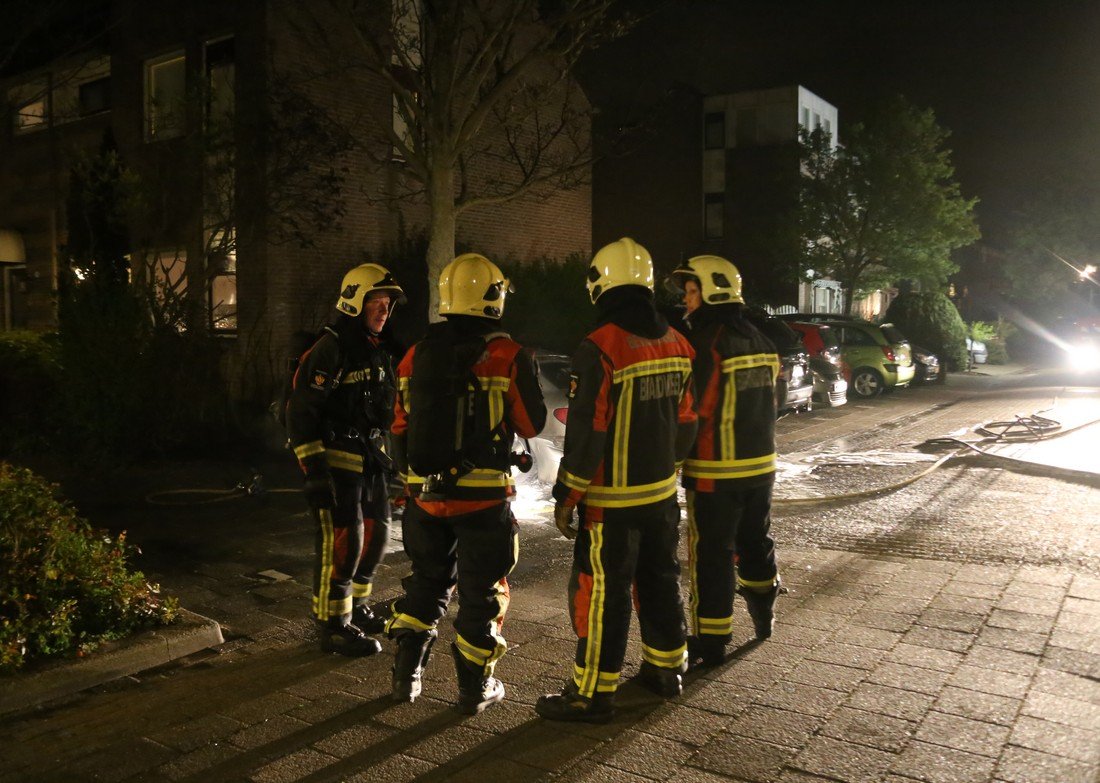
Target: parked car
x=794, y=387
x=979, y=354
x=926, y=365
x=875, y=357
x=546, y=447
x=830, y=388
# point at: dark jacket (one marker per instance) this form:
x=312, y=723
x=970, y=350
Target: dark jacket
x=630, y=411
x=735, y=371
x=342, y=401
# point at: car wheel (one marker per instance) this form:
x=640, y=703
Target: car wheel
x=867, y=383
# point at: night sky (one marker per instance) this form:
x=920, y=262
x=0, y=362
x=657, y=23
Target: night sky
x=1017, y=83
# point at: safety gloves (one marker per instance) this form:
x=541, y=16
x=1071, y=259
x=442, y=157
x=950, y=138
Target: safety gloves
x=563, y=518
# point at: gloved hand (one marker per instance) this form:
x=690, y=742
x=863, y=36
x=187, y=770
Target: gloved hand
x=320, y=491
x=563, y=518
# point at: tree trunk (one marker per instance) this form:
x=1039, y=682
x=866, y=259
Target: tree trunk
x=441, y=232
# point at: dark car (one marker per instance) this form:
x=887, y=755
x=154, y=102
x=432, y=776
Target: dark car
x=794, y=388
x=830, y=388
x=926, y=365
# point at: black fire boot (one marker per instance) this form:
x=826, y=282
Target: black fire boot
x=366, y=620
x=342, y=637
x=666, y=683
x=705, y=651
x=569, y=705
x=475, y=690
x=413, y=649
x=761, y=606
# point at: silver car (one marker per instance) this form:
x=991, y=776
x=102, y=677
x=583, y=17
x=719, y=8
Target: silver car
x=546, y=447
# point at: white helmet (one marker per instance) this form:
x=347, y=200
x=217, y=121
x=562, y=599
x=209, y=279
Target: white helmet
x=364, y=280
x=473, y=285
x=719, y=280
x=624, y=262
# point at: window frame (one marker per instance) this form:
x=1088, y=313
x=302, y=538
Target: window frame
x=177, y=126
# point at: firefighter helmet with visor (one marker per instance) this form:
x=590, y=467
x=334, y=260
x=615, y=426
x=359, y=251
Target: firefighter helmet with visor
x=624, y=262
x=719, y=281
x=362, y=281
x=473, y=285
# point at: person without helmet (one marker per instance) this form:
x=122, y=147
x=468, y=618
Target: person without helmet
x=630, y=422
x=731, y=469
x=458, y=528
x=338, y=413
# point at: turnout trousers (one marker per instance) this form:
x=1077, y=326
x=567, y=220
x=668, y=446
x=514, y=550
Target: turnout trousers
x=474, y=552
x=350, y=543
x=625, y=558
x=728, y=540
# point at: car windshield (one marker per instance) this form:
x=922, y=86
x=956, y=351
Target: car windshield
x=892, y=334
x=555, y=371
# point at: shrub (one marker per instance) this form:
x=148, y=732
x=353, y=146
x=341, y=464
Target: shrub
x=64, y=586
x=29, y=382
x=550, y=307
x=929, y=319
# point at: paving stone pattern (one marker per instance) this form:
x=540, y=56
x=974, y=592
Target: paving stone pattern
x=871, y=688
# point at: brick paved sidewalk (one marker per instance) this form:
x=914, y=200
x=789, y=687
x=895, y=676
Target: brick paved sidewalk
x=880, y=670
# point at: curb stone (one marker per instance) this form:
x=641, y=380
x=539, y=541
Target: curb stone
x=146, y=650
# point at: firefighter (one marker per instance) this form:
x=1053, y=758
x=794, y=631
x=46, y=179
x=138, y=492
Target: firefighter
x=337, y=416
x=731, y=469
x=458, y=529
x=630, y=422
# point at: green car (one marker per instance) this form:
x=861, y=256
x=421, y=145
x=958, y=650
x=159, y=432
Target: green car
x=874, y=357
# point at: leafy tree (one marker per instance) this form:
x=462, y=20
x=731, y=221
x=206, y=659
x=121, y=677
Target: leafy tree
x=930, y=320
x=474, y=83
x=885, y=205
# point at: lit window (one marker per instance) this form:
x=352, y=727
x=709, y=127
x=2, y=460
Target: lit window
x=714, y=215
x=714, y=131
x=806, y=117
x=221, y=260
x=31, y=116
x=165, y=80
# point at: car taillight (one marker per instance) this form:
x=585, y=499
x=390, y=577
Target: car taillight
x=886, y=349
x=560, y=414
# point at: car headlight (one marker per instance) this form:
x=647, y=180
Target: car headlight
x=797, y=374
x=1084, y=357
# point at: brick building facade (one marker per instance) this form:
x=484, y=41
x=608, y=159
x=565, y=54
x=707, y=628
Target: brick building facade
x=263, y=289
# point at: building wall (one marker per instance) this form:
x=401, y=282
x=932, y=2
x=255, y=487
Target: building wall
x=281, y=287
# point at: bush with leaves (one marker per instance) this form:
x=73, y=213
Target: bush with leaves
x=29, y=383
x=930, y=319
x=550, y=307
x=64, y=586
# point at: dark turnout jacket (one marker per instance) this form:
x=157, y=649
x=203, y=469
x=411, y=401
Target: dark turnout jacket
x=630, y=410
x=343, y=393
x=735, y=372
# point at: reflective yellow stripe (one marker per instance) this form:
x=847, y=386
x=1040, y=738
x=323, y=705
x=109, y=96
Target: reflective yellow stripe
x=320, y=606
x=606, y=682
x=478, y=477
x=666, y=659
x=729, y=468
x=622, y=497
x=309, y=449
x=338, y=607
x=729, y=415
x=589, y=679
x=653, y=367
x=752, y=360
x=693, y=563
x=402, y=620
x=362, y=591
x=716, y=626
x=572, y=481
x=499, y=383
x=344, y=460
x=765, y=584
x=622, y=435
